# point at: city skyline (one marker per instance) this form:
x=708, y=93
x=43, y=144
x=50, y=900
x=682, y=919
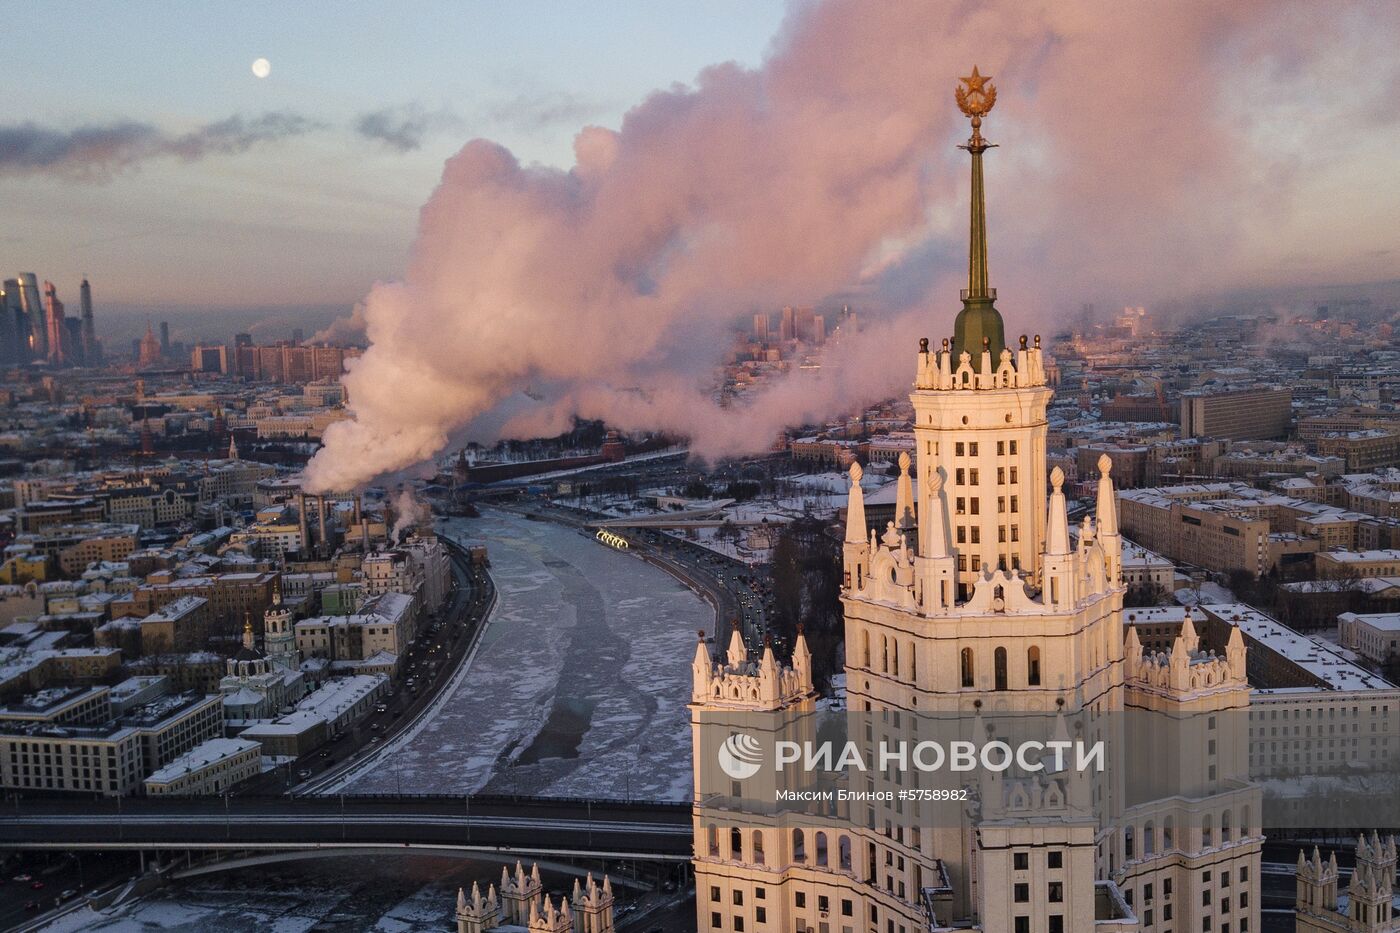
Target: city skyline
x=336, y=149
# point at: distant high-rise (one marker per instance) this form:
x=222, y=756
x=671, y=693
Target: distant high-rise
x=13, y=327
x=819, y=330
x=33, y=305
x=57, y=330
x=149, y=353
x=92, y=352
x=298, y=336
x=785, y=328
x=802, y=323
x=760, y=326
x=164, y=338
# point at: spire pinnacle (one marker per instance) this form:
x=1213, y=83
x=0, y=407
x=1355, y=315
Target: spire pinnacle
x=979, y=324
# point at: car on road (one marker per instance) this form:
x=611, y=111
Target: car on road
x=381, y=708
x=70, y=893
x=36, y=885
x=31, y=905
x=23, y=877
x=324, y=753
x=304, y=773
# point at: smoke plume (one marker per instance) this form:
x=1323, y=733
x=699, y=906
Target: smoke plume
x=409, y=513
x=96, y=152
x=1132, y=136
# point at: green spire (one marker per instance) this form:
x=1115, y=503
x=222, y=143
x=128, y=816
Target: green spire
x=979, y=324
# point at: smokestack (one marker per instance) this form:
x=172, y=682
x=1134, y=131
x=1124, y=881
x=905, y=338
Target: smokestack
x=301, y=522
x=321, y=522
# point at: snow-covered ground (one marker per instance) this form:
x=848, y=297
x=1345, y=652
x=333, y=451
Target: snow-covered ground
x=578, y=686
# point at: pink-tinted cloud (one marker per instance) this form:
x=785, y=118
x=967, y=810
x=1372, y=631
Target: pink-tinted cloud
x=1125, y=167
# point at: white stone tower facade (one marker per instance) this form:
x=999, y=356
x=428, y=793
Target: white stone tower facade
x=982, y=603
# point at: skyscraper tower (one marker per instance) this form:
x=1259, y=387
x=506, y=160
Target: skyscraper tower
x=148, y=349
x=12, y=323
x=164, y=338
x=33, y=307
x=58, y=329
x=982, y=603
x=92, y=354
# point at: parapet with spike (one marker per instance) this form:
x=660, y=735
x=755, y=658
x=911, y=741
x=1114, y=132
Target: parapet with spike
x=737, y=682
x=939, y=369
x=1186, y=669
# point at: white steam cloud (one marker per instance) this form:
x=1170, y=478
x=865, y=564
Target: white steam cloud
x=409, y=512
x=1133, y=147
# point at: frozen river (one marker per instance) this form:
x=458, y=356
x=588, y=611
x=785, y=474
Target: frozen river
x=578, y=686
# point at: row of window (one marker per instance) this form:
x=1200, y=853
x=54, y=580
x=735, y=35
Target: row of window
x=969, y=449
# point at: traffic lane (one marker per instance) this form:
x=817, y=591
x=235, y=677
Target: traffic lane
x=396, y=717
x=452, y=639
x=63, y=877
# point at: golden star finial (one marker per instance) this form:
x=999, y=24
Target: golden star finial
x=975, y=81
x=976, y=95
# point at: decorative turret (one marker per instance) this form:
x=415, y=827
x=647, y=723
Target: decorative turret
x=546, y=919
x=1372, y=884
x=1107, y=517
x=743, y=684
x=1059, y=560
x=904, y=509
x=1186, y=670
x=477, y=914
x=935, y=571
x=520, y=894
x=1317, y=884
x=1235, y=653
x=856, y=550
x=593, y=906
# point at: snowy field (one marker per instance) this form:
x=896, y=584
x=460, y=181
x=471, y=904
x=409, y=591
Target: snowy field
x=578, y=686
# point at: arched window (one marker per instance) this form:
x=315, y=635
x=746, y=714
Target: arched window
x=845, y=847
x=1207, y=831
x=1245, y=823
x=821, y=848
x=714, y=841
x=1149, y=838
x=913, y=664
x=999, y=665
x=758, y=847
x=1129, y=843
x=736, y=844
x=885, y=653
x=1168, y=826
x=1033, y=665
x=967, y=671
x=1225, y=826
x=894, y=656
x=799, y=846
x=865, y=646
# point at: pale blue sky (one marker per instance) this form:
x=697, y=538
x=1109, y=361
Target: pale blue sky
x=317, y=217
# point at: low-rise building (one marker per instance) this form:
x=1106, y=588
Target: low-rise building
x=211, y=767
x=111, y=758
x=333, y=707
x=1374, y=636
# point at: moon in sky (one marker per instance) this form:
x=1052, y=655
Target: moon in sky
x=262, y=68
